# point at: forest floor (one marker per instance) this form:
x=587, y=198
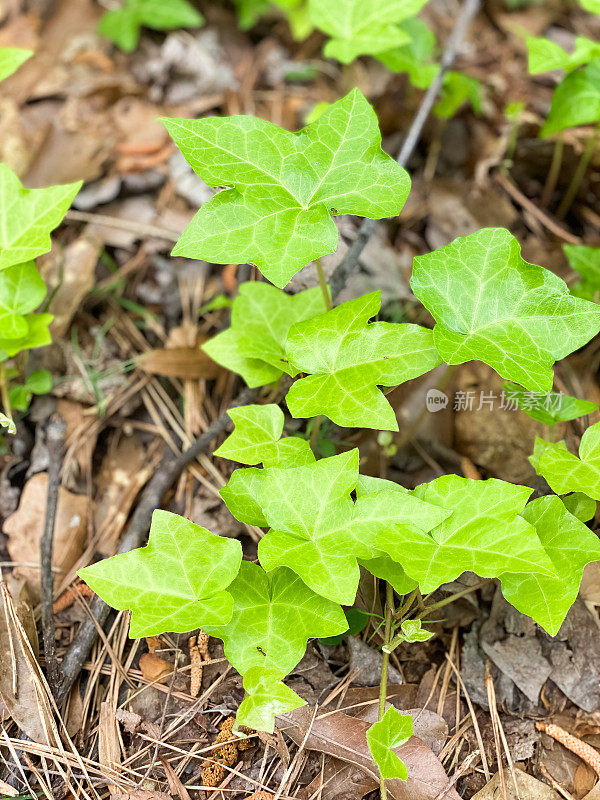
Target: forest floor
x=142, y=715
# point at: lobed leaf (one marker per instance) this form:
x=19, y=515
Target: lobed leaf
x=319, y=532
x=563, y=471
x=11, y=59
x=28, y=215
x=362, y=27
x=491, y=305
x=254, y=345
x=550, y=407
x=257, y=439
x=545, y=55
x=392, y=730
x=285, y=186
x=347, y=359
x=266, y=697
x=37, y=335
x=576, y=100
x=274, y=615
x=483, y=532
x=122, y=25
x=580, y=505
x=570, y=545
x=176, y=583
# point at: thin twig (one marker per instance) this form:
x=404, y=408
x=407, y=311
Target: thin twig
x=55, y=437
x=342, y=272
x=167, y=472
x=142, y=229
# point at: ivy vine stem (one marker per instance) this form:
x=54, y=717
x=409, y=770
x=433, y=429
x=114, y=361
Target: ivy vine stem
x=323, y=285
x=387, y=635
x=554, y=171
x=578, y=175
x=4, y=390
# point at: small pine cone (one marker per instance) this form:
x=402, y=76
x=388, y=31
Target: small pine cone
x=212, y=774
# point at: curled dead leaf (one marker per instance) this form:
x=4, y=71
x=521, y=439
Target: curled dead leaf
x=180, y=362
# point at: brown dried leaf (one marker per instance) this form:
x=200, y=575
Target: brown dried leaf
x=344, y=737
x=154, y=668
x=23, y=687
x=529, y=788
x=24, y=529
x=141, y=794
x=180, y=362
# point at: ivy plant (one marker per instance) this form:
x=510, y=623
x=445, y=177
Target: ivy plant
x=285, y=186
x=586, y=261
x=323, y=522
x=11, y=59
x=122, y=25
x=548, y=408
x=576, y=100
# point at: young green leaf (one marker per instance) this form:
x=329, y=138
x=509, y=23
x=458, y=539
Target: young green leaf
x=257, y=439
x=21, y=291
x=274, y=615
x=563, y=471
x=392, y=730
x=357, y=28
x=347, y=359
x=549, y=408
x=483, y=534
x=413, y=631
x=586, y=261
x=122, y=25
x=11, y=59
x=576, y=100
x=413, y=57
x=319, y=533
x=570, y=545
x=37, y=335
x=266, y=697
x=8, y=423
x=580, y=505
x=458, y=88
x=176, y=583
x=260, y=320
x=593, y=6
x=28, y=215
x=285, y=186
x=491, y=305
x=545, y=55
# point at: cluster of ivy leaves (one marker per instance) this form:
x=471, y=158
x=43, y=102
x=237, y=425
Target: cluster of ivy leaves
x=27, y=216
x=325, y=521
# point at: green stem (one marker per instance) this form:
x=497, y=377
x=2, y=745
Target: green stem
x=578, y=176
x=4, y=390
x=389, y=614
x=323, y=285
x=447, y=600
x=554, y=171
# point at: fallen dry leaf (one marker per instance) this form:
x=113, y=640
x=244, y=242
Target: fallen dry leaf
x=23, y=687
x=180, y=362
x=529, y=788
x=141, y=794
x=24, y=529
x=344, y=737
x=154, y=668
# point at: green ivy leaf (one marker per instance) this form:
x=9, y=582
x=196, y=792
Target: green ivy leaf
x=491, y=305
x=413, y=57
x=580, y=505
x=266, y=697
x=458, y=88
x=240, y=496
x=563, y=471
x=392, y=730
x=274, y=615
x=347, y=359
x=359, y=27
x=319, y=532
x=576, y=101
x=28, y=215
x=356, y=621
x=176, y=583
x=11, y=59
x=550, y=407
x=387, y=569
x=122, y=26
x=21, y=291
x=586, y=261
x=37, y=335
x=545, y=55
x=260, y=320
x=483, y=534
x=257, y=439
x=284, y=186
x=593, y=6
x=413, y=631
x=570, y=545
